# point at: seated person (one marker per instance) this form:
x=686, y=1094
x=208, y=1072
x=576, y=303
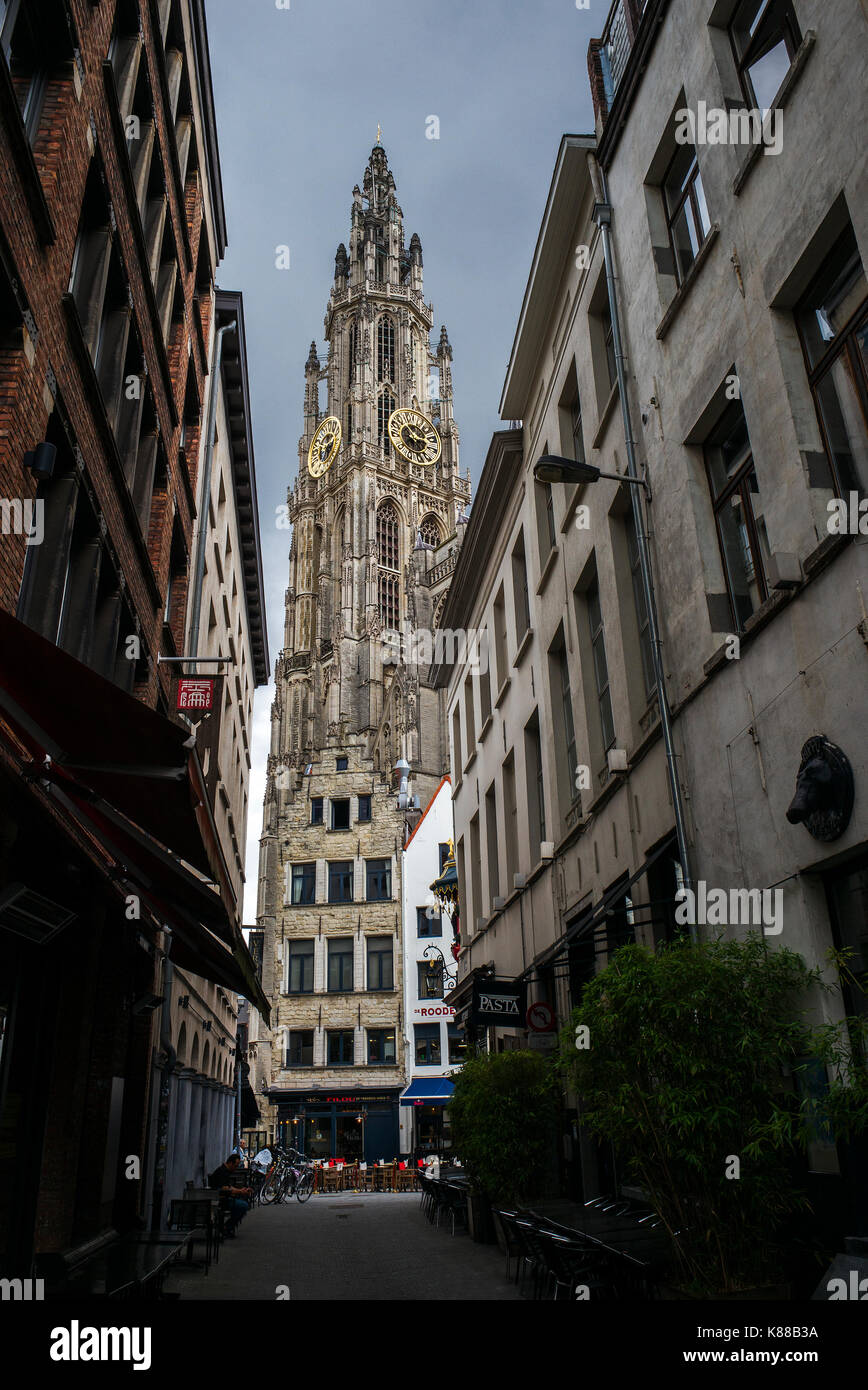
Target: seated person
x=236, y=1198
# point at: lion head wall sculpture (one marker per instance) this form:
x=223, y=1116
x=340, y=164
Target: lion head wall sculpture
x=823, y=802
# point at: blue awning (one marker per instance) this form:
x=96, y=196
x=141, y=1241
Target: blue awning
x=437, y=1091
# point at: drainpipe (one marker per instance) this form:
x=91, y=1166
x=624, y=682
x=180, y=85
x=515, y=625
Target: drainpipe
x=205, y=494
x=603, y=217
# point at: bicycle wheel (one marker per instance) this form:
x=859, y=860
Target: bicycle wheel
x=270, y=1189
x=304, y=1189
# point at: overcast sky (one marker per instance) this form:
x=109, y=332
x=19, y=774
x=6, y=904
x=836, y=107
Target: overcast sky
x=299, y=92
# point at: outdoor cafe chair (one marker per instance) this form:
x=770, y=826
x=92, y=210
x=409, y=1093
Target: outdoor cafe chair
x=366, y=1178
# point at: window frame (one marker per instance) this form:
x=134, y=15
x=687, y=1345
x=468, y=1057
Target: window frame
x=377, y=953
x=299, y=1033
x=598, y=636
x=336, y=871
x=701, y=221
x=790, y=33
x=317, y=805
x=424, y=923
x=340, y=956
x=739, y=483
x=385, y=873
x=429, y=1034
x=335, y=801
x=308, y=876
x=381, y=1034
x=366, y=797
x=294, y=953
x=342, y=1033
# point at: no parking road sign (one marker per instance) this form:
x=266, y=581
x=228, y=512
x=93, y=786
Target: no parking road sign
x=540, y=1019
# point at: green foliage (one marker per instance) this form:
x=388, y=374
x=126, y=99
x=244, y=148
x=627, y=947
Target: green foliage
x=503, y=1113
x=695, y=1055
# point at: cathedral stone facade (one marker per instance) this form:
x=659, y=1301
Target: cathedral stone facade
x=375, y=537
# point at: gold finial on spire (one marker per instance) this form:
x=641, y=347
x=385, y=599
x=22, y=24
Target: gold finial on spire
x=378, y=132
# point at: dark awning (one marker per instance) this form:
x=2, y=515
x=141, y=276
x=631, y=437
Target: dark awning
x=101, y=736
x=436, y=1091
x=124, y=776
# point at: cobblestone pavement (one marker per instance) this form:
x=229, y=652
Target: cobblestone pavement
x=349, y=1247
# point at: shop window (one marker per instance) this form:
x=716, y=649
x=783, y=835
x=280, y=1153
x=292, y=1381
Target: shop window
x=340, y=978
x=300, y=967
x=378, y=886
x=738, y=513
x=340, y=1043
x=380, y=971
x=427, y=1042
x=457, y=1045
x=341, y=814
x=341, y=881
x=381, y=1047
x=299, y=1052
x=303, y=884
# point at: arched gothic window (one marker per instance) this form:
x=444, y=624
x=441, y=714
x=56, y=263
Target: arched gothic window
x=385, y=406
x=389, y=560
x=430, y=531
x=385, y=349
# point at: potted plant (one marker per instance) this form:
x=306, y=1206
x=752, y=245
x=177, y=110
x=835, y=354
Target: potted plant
x=687, y=1060
x=503, y=1114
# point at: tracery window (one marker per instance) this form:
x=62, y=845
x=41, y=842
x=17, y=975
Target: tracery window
x=385, y=406
x=388, y=557
x=430, y=531
x=385, y=349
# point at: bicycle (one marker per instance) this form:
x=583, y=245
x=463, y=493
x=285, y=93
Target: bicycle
x=287, y=1180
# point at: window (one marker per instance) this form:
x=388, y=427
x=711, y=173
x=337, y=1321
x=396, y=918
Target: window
x=484, y=680
x=500, y=638
x=609, y=344
x=475, y=908
x=316, y=817
x=388, y=560
x=341, y=814
x=430, y=979
x=469, y=715
x=427, y=1039
x=443, y=851
x=456, y=741
x=570, y=418
x=457, y=1046
x=738, y=513
x=687, y=216
x=36, y=41
x=545, y=517
x=340, y=1047
x=601, y=666
x=300, y=967
x=341, y=881
x=510, y=819
x=381, y=1047
x=430, y=532
x=340, y=979
x=341, y=764
x=365, y=807
x=380, y=963
x=492, y=845
x=765, y=36
x=303, y=883
x=385, y=407
x=428, y=926
x=641, y=606
x=564, y=724
x=378, y=887
x=832, y=318
x=352, y=351
x=299, y=1053
x=536, y=803
x=520, y=596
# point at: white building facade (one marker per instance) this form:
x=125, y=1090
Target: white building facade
x=432, y=1042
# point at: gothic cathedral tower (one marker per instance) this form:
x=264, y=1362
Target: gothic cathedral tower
x=374, y=543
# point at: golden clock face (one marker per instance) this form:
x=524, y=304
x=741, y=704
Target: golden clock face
x=414, y=437
x=324, y=447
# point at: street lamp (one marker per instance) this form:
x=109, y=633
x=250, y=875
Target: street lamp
x=551, y=468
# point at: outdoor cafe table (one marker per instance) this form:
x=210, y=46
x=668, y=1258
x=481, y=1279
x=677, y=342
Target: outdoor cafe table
x=619, y=1235
x=127, y=1268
